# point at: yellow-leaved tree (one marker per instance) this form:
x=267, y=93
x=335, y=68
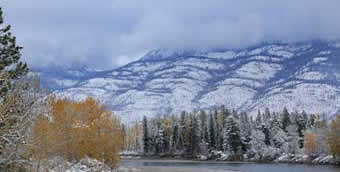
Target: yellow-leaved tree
x=311, y=143
x=333, y=138
x=74, y=130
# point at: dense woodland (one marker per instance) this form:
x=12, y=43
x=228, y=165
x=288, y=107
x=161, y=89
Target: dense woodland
x=230, y=135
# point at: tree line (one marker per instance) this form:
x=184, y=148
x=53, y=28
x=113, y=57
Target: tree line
x=237, y=136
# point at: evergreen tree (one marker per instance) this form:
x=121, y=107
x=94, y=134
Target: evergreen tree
x=258, y=119
x=159, y=139
x=301, y=122
x=232, y=139
x=175, y=138
x=183, y=131
x=145, y=135
x=226, y=113
x=285, y=119
x=267, y=114
x=194, y=135
x=203, y=127
x=212, y=134
x=245, y=127
x=266, y=133
x=311, y=121
x=219, y=138
x=11, y=67
x=277, y=135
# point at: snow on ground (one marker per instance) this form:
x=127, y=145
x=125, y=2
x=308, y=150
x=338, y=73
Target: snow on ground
x=319, y=59
x=82, y=93
x=258, y=70
x=256, y=51
x=160, y=85
x=280, y=51
x=313, y=98
x=222, y=55
x=229, y=95
x=312, y=76
x=146, y=67
x=65, y=82
x=201, y=63
x=241, y=82
x=325, y=52
x=266, y=58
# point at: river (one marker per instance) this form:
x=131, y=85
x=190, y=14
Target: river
x=199, y=166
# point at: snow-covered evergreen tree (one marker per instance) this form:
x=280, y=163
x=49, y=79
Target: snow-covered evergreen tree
x=145, y=135
x=245, y=129
x=212, y=133
x=175, y=138
x=231, y=138
x=159, y=139
x=285, y=119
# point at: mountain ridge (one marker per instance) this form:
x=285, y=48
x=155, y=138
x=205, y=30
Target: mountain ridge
x=300, y=76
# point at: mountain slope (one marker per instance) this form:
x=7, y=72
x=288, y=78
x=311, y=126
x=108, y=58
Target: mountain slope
x=298, y=76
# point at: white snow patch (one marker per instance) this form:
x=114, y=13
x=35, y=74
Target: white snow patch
x=258, y=70
x=256, y=51
x=266, y=58
x=222, y=55
x=201, y=63
x=65, y=82
x=229, y=95
x=312, y=76
x=240, y=82
x=313, y=98
x=319, y=59
x=325, y=52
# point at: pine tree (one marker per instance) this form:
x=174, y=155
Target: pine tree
x=266, y=133
x=225, y=114
x=285, y=119
x=175, y=138
x=301, y=122
x=194, y=135
x=203, y=127
x=232, y=139
x=146, y=135
x=212, y=134
x=277, y=135
x=245, y=127
x=11, y=67
x=219, y=138
x=193, y=138
x=267, y=114
x=258, y=119
x=182, y=140
x=311, y=121
x=159, y=139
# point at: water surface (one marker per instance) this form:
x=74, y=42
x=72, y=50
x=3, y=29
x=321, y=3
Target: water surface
x=231, y=166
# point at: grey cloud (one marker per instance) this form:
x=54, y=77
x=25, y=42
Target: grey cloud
x=110, y=33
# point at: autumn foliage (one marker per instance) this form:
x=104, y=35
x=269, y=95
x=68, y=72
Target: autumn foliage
x=311, y=143
x=74, y=130
x=333, y=138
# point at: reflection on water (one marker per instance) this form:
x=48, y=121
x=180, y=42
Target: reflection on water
x=244, y=167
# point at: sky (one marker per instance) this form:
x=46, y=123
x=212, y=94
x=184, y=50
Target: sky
x=109, y=33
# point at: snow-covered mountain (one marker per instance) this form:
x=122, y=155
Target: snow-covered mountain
x=298, y=76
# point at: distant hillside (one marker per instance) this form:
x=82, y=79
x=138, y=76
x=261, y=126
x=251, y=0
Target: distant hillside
x=298, y=76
